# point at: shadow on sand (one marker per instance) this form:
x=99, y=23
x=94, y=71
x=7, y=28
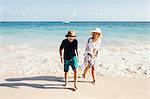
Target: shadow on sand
x=55, y=85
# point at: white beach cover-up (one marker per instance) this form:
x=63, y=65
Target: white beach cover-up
x=88, y=59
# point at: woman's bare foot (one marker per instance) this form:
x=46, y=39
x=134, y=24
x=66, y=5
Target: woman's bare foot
x=93, y=82
x=83, y=75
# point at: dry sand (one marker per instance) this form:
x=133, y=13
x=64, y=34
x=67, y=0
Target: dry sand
x=50, y=87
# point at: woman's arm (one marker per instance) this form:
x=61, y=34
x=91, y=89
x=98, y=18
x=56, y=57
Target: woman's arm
x=96, y=50
x=93, y=55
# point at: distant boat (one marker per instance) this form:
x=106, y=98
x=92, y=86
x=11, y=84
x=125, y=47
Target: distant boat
x=66, y=22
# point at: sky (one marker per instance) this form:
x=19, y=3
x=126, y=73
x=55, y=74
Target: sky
x=74, y=10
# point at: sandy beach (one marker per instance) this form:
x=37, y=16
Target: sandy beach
x=51, y=87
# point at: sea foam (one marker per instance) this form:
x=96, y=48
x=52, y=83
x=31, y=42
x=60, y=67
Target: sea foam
x=129, y=60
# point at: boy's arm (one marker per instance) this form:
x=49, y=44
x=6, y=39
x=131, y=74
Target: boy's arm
x=60, y=52
x=77, y=54
x=76, y=50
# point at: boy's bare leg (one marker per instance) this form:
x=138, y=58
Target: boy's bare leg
x=93, y=74
x=75, y=79
x=85, y=70
x=66, y=78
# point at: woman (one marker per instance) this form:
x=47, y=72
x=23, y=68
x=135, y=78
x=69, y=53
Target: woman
x=91, y=52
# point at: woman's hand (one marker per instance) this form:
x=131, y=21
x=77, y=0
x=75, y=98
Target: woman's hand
x=93, y=56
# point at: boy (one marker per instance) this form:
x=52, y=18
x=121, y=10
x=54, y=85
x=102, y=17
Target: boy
x=70, y=46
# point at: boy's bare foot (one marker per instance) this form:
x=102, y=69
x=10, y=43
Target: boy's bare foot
x=75, y=86
x=65, y=85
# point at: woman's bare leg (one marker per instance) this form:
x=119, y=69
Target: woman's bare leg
x=85, y=70
x=93, y=74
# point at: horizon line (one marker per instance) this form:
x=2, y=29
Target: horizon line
x=71, y=21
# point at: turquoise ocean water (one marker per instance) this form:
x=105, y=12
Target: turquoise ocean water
x=32, y=47
x=50, y=34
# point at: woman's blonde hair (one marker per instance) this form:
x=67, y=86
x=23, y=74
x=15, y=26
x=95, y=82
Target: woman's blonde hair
x=100, y=34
